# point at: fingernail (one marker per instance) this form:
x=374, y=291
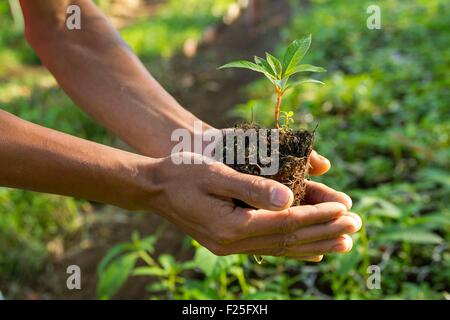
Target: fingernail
x=348, y=243
x=318, y=155
x=358, y=221
x=349, y=201
x=356, y=218
x=345, y=245
x=280, y=197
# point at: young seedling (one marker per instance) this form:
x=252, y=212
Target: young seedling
x=279, y=72
x=288, y=118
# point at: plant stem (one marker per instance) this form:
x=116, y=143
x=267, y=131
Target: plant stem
x=277, y=108
x=147, y=258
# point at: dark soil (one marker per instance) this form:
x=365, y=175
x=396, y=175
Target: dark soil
x=295, y=146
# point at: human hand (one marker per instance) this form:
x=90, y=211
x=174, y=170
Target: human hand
x=198, y=199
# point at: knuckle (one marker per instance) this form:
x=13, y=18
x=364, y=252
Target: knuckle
x=283, y=243
x=241, y=227
x=213, y=170
x=253, y=190
x=224, y=209
x=287, y=225
x=215, y=167
x=292, y=239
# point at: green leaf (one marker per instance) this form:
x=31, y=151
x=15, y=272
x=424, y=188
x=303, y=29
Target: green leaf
x=198, y=290
x=281, y=83
x=308, y=81
x=148, y=243
x=210, y=264
x=275, y=65
x=167, y=261
x=295, y=53
x=305, y=68
x=244, y=65
x=149, y=271
x=205, y=260
x=348, y=262
x=263, y=63
x=112, y=253
x=435, y=220
x=115, y=275
x=302, y=82
x=410, y=235
x=379, y=207
x=263, y=295
x=156, y=286
x=251, y=66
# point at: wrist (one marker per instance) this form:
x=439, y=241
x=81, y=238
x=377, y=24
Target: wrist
x=139, y=183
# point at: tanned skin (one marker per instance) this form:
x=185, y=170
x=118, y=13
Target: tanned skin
x=103, y=76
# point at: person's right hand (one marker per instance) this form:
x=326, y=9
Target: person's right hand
x=198, y=199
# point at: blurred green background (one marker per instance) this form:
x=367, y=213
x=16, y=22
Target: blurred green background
x=383, y=118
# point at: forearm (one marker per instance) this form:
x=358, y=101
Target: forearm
x=39, y=159
x=103, y=76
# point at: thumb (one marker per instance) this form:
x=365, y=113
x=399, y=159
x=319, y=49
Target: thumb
x=259, y=192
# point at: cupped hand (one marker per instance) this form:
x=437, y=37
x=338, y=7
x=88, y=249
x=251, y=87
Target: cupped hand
x=198, y=199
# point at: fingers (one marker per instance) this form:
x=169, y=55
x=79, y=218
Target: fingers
x=256, y=191
x=347, y=224
x=319, y=164
x=338, y=245
x=311, y=258
x=318, y=193
x=343, y=244
x=250, y=223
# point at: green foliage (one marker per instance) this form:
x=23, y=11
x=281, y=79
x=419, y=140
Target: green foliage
x=294, y=54
x=176, y=21
x=169, y=276
x=278, y=73
x=119, y=263
x=14, y=50
x=29, y=222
